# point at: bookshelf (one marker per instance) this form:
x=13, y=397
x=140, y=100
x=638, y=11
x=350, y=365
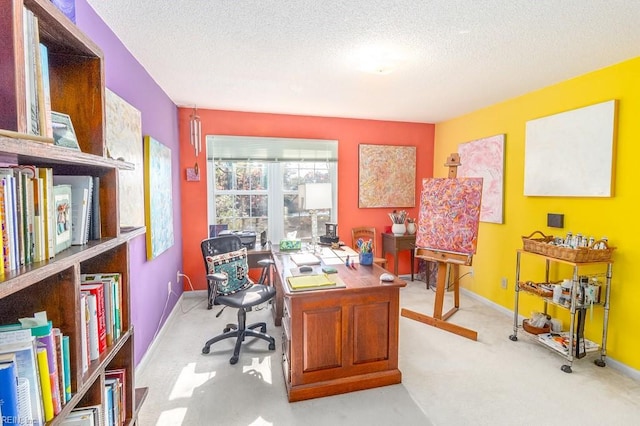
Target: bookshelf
x=76, y=70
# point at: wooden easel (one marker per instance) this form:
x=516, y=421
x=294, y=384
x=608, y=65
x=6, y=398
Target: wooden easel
x=445, y=261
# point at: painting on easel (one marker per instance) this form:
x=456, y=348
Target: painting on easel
x=449, y=214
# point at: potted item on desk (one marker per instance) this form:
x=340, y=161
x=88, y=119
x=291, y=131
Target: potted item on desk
x=366, y=251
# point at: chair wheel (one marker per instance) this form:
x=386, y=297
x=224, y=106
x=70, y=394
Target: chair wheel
x=272, y=346
x=263, y=329
x=206, y=350
x=233, y=360
x=209, y=306
x=226, y=329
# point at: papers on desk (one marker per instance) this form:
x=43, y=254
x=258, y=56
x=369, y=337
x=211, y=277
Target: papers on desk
x=312, y=282
x=338, y=256
x=302, y=259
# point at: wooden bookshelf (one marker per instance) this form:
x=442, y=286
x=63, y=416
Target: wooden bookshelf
x=76, y=70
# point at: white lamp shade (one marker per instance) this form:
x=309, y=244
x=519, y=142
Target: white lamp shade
x=315, y=196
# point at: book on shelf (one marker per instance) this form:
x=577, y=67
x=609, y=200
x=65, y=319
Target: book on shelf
x=115, y=394
x=42, y=329
x=45, y=383
x=109, y=418
x=46, y=174
x=66, y=357
x=62, y=204
x=44, y=80
x=91, y=415
x=57, y=339
x=84, y=333
x=92, y=320
x=98, y=291
x=10, y=220
x=113, y=286
x=120, y=376
x=81, y=202
x=31, y=39
x=20, y=342
x=103, y=291
x=9, y=389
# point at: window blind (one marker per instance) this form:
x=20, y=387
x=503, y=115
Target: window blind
x=238, y=148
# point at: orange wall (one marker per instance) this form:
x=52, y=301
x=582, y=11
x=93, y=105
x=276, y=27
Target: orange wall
x=349, y=133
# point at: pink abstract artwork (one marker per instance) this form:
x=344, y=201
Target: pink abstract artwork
x=449, y=214
x=484, y=158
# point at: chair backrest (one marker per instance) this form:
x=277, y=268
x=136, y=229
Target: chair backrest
x=366, y=233
x=219, y=245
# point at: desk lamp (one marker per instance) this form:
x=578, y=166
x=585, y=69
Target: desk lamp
x=314, y=197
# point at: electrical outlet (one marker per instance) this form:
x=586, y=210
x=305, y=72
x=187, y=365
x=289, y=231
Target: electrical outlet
x=503, y=283
x=178, y=276
x=169, y=287
x=471, y=272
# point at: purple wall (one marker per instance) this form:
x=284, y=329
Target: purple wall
x=129, y=80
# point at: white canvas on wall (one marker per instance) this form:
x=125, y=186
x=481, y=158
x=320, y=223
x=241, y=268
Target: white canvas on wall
x=571, y=154
x=124, y=141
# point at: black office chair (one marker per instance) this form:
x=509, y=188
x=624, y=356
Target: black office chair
x=229, y=285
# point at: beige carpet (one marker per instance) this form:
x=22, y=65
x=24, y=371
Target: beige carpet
x=447, y=380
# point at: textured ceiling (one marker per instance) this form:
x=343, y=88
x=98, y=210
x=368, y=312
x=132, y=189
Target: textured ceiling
x=450, y=57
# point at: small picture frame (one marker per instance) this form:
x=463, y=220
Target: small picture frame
x=62, y=203
x=63, y=132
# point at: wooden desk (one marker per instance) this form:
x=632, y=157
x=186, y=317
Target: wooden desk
x=253, y=256
x=393, y=244
x=343, y=339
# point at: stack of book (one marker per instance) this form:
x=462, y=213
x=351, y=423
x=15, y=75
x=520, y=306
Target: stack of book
x=42, y=214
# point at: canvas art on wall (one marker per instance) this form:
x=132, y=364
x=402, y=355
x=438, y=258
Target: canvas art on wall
x=124, y=141
x=158, y=197
x=386, y=176
x=449, y=214
x=484, y=158
x=571, y=154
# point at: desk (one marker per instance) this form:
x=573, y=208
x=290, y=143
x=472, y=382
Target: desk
x=342, y=339
x=393, y=244
x=254, y=255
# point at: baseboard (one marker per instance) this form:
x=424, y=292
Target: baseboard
x=147, y=354
x=611, y=362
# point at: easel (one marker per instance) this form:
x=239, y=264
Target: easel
x=444, y=260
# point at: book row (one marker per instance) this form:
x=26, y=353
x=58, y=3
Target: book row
x=35, y=364
x=42, y=214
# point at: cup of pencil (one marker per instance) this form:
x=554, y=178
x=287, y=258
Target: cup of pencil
x=366, y=251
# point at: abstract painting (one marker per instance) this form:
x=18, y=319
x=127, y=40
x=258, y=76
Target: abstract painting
x=484, y=158
x=449, y=214
x=386, y=176
x=124, y=141
x=157, y=197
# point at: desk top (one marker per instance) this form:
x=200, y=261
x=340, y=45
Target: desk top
x=363, y=277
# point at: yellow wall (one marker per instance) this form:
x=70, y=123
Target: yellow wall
x=613, y=217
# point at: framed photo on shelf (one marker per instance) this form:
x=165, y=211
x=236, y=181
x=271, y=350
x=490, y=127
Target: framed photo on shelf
x=63, y=132
x=62, y=202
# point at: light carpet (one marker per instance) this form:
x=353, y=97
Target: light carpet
x=447, y=379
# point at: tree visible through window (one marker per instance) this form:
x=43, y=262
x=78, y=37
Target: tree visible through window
x=259, y=195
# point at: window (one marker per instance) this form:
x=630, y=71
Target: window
x=253, y=183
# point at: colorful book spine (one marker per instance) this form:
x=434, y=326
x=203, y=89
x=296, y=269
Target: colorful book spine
x=9, y=390
x=20, y=342
x=97, y=290
x=57, y=339
x=92, y=311
x=44, y=339
x=45, y=383
x=67, y=368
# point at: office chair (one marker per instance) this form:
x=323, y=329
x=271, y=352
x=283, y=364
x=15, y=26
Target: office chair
x=229, y=285
x=367, y=233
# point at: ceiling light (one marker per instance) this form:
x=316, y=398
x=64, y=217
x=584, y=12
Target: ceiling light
x=378, y=59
